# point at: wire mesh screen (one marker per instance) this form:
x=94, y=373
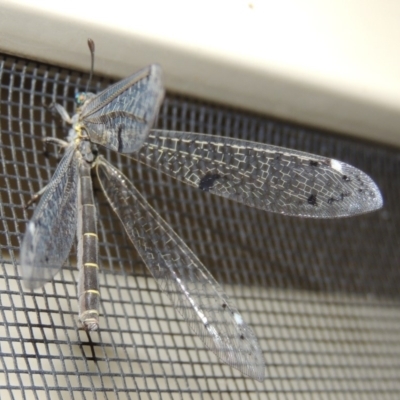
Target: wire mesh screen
x=322, y=295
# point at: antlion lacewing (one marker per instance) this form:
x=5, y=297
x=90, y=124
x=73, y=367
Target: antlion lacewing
x=259, y=175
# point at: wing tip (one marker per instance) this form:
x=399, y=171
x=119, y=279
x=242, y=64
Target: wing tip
x=258, y=374
x=31, y=283
x=369, y=197
x=254, y=370
x=33, y=278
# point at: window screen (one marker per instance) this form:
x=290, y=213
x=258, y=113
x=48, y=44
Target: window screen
x=322, y=296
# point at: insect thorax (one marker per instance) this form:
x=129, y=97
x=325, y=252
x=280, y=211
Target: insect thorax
x=87, y=150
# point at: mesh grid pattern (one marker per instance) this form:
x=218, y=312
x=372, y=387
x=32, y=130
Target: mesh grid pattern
x=321, y=295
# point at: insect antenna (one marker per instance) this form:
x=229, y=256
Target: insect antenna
x=91, y=49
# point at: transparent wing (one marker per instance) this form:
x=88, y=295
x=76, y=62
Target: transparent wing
x=121, y=116
x=50, y=232
x=264, y=176
x=180, y=274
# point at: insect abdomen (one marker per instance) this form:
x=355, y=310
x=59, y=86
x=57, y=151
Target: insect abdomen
x=88, y=285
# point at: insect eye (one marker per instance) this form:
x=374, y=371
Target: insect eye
x=80, y=98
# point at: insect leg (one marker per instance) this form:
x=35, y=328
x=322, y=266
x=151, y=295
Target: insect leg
x=37, y=195
x=62, y=111
x=56, y=141
x=88, y=284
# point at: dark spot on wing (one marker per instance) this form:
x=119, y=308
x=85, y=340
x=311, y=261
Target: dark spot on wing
x=346, y=178
x=343, y=195
x=314, y=163
x=120, y=129
x=47, y=259
x=224, y=305
x=207, y=181
x=340, y=198
x=242, y=337
x=312, y=200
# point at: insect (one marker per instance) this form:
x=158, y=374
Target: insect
x=259, y=175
